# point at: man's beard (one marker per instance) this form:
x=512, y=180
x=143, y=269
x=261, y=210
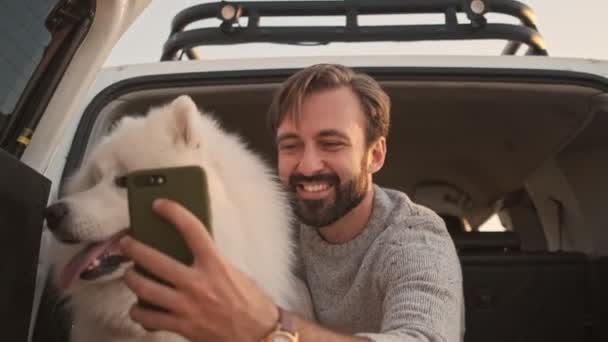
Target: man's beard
x=320, y=213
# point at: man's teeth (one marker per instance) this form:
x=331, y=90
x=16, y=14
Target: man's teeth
x=315, y=187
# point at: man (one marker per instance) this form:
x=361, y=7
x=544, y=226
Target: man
x=379, y=267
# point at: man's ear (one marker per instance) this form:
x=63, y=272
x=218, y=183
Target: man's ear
x=185, y=119
x=377, y=155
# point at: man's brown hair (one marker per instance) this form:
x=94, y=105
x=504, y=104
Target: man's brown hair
x=375, y=103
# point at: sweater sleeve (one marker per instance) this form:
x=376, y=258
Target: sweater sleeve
x=422, y=280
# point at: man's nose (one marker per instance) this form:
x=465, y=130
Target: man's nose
x=311, y=163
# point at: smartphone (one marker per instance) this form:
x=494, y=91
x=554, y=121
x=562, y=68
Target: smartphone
x=186, y=185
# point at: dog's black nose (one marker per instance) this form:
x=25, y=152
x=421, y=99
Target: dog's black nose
x=54, y=214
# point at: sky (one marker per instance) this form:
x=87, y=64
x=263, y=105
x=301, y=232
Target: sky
x=570, y=28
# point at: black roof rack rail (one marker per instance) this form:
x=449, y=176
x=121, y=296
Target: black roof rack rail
x=182, y=41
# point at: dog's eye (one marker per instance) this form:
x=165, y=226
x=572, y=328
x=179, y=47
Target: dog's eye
x=121, y=181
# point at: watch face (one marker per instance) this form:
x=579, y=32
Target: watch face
x=281, y=336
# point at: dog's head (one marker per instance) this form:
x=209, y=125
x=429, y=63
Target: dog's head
x=93, y=215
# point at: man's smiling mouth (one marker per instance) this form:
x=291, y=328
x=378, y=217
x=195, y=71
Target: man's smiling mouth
x=314, y=190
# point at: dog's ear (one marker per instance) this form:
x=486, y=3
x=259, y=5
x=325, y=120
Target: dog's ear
x=185, y=119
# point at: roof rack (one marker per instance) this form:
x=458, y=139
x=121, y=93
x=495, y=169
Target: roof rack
x=182, y=42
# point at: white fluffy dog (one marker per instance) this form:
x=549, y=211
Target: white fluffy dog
x=250, y=218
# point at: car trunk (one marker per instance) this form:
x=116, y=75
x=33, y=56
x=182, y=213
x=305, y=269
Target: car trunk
x=466, y=145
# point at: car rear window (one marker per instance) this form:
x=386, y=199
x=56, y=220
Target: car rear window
x=22, y=43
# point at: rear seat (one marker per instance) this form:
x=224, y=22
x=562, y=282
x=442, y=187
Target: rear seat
x=524, y=297
x=474, y=242
x=512, y=295
x=598, y=303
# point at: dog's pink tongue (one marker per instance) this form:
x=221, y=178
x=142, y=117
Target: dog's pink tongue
x=83, y=259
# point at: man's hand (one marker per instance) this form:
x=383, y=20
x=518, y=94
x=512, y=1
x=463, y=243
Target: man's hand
x=210, y=301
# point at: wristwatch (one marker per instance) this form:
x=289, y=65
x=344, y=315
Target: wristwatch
x=285, y=330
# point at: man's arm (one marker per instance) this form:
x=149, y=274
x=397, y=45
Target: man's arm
x=310, y=332
x=210, y=300
x=422, y=281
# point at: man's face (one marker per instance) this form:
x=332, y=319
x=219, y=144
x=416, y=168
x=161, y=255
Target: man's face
x=323, y=159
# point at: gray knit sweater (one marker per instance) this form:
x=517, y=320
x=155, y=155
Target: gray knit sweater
x=399, y=280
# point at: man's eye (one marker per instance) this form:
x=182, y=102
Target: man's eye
x=288, y=147
x=332, y=144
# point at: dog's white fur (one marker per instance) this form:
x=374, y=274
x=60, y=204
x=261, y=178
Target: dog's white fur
x=250, y=214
